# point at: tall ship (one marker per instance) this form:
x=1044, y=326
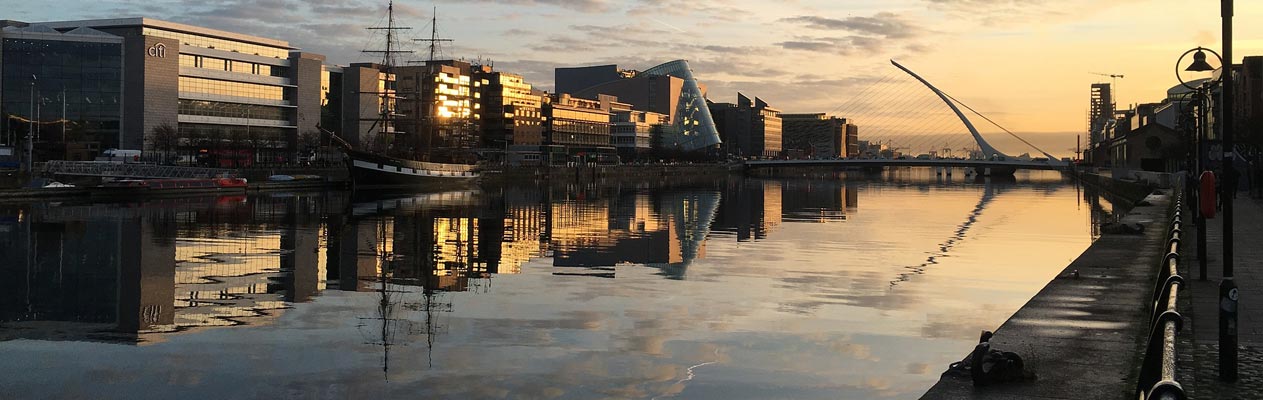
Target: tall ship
x=394, y=158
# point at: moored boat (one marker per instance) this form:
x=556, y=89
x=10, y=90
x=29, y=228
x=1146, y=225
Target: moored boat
x=132, y=187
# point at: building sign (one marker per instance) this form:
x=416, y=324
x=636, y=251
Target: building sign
x=158, y=50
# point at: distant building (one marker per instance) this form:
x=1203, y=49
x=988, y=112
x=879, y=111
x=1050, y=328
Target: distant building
x=669, y=89
x=748, y=127
x=511, y=109
x=355, y=97
x=440, y=106
x=820, y=135
x=578, y=129
x=1100, y=115
x=633, y=130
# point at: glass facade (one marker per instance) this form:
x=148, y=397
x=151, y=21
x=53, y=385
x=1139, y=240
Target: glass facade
x=188, y=39
x=693, y=127
x=228, y=88
x=244, y=67
x=235, y=110
x=71, y=90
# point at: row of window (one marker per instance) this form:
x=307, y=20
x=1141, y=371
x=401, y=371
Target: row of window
x=187, y=39
x=581, y=115
x=217, y=64
x=226, y=88
x=235, y=110
x=582, y=127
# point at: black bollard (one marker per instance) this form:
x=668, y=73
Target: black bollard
x=1228, y=330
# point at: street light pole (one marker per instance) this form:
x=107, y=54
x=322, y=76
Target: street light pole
x=30, y=134
x=1228, y=294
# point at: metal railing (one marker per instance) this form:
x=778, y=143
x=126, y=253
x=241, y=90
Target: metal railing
x=131, y=170
x=1157, y=371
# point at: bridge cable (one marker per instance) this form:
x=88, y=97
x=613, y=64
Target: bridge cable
x=1006, y=130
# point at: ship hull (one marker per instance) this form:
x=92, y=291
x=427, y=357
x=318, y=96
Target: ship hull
x=369, y=171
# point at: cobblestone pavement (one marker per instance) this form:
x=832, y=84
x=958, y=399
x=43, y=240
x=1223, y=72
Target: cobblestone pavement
x=1197, y=347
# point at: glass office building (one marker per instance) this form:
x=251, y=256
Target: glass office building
x=64, y=89
x=692, y=127
x=197, y=95
x=669, y=88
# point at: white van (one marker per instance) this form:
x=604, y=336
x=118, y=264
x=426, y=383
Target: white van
x=119, y=156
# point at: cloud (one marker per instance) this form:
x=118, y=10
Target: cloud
x=587, y=6
x=883, y=24
x=847, y=45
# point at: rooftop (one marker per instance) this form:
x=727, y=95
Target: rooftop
x=166, y=25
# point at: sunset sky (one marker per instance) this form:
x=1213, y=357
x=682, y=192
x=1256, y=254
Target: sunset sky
x=1025, y=63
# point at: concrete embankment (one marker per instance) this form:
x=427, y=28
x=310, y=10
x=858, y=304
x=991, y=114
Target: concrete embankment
x=1084, y=337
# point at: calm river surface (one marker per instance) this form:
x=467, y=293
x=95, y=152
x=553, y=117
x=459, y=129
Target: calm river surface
x=810, y=288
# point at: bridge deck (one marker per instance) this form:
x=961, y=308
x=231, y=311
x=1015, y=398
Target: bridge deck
x=881, y=162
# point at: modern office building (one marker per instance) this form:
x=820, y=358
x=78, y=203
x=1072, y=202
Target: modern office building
x=669, y=89
x=749, y=128
x=440, y=105
x=64, y=89
x=579, y=127
x=511, y=109
x=819, y=135
x=185, y=92
x=632, y=130
x=354, y=99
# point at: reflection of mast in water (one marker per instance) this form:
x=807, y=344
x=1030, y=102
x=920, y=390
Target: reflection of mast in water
x=386, y=304
x=988, y=195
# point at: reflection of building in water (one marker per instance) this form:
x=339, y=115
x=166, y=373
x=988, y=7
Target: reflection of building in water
x=817, y=200
x=667, y=232
x=751, y=208
x=104, y=272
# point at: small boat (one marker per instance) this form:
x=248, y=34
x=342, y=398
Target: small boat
x=130, y=187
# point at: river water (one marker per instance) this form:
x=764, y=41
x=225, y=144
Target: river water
x=813, y=287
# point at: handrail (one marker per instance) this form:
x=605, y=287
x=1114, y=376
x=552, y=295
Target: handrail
x=1157, y=371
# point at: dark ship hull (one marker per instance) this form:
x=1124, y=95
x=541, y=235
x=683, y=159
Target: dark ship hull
x=370, y=171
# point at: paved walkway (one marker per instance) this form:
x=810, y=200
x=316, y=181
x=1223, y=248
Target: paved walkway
x=1083, y=337
x=1198, y=346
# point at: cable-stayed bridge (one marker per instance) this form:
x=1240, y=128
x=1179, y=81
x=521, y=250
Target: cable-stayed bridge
x=897, y=115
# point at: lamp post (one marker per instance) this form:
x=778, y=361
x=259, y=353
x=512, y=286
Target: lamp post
x=1199, y=65
x=1228, y=294
x=30, y=134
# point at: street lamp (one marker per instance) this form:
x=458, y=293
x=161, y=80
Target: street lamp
x=1227, y=287
x=1199, y=65
x=1228, y=293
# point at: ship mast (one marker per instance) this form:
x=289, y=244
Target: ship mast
x=433, y=42
x=386, y=109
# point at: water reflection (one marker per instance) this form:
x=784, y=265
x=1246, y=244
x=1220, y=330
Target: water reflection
x=748, y=288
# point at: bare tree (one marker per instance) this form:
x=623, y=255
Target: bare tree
x=164, y=139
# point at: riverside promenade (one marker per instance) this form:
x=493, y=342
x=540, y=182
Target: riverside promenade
x=1083, y=337
x=1198, y=347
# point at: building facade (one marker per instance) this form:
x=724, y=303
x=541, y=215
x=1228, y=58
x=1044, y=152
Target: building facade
x=820, y=135
x=202, y=95
x=632, y=130
x=511, y=109
x=579, y=126
x=748, y=128
x=668, y=88
x=441, y=107
x=63, y=89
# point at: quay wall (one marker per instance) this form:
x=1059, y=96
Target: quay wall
x=1083, y=334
